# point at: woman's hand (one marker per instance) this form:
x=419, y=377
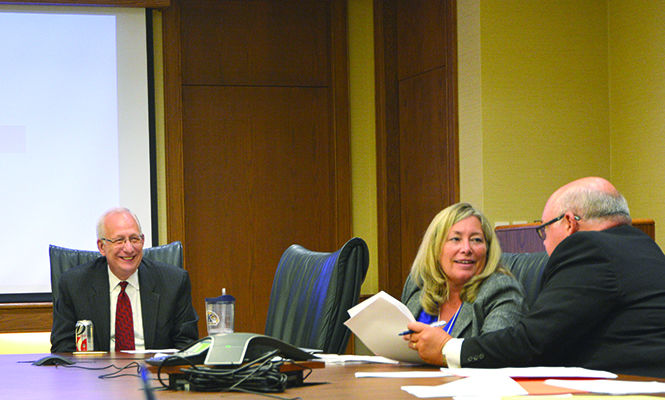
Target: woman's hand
x=428, y=341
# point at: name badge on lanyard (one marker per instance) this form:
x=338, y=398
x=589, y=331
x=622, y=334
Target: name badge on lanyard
x=449, y=326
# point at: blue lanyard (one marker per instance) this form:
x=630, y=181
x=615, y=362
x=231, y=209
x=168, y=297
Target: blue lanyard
x=449, y=326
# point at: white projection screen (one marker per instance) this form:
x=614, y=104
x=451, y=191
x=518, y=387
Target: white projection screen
x=74, y=132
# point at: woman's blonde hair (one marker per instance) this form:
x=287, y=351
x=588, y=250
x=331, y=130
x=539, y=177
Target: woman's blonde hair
x=427, y=270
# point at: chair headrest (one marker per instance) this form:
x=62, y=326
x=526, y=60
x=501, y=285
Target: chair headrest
x=527, y=269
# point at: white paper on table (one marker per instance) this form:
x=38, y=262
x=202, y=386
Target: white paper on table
x=149, y=351
x=490, y=386
x=354, y=358
x=486, y=398
x=403, y=374
x=378, y=321
x=533, y=372
x=609, y=386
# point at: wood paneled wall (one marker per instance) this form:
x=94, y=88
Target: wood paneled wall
x=257, y=141
x=114, y=3
x=417, y=156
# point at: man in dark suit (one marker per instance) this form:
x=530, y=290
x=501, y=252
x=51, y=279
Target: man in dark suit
x=602, y=303
x=153, y=298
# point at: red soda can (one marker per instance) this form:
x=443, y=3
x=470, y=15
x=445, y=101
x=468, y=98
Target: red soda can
x=84, y=341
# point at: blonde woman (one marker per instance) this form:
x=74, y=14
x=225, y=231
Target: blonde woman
x=456, y=280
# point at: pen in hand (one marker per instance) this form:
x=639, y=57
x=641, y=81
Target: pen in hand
x=433, y=324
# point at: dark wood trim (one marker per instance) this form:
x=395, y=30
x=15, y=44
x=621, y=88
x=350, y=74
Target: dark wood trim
x=390, y=166
x=647, y=226
x=175, y=196
x=387, y=141
x=26, y=317
x=106, y=3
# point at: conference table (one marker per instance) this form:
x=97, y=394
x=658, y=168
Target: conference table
x=19, y=379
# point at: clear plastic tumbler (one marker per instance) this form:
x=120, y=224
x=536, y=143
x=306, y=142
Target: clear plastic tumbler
x=220, y=313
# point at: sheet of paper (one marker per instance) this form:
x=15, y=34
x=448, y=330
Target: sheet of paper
x=533, y=372
x=353, y=311
x=490, y=398
x=610, y=386
x=354, y=358
x=487, y=386
x=403, y=374
x=581, y=397
x=377, y=322
x=149, y=351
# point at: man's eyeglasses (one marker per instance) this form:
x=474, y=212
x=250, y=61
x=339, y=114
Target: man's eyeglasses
x=540, y=229
x=134, y=240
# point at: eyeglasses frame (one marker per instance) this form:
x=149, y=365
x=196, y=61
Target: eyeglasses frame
x=540, y=229
x=123, y=240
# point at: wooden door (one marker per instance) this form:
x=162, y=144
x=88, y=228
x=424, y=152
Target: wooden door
x=257, y=141
x=417, y=155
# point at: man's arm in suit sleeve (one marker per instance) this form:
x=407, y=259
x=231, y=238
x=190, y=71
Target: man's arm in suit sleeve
x=64, y=321
x=579, y=288
x=185, y=329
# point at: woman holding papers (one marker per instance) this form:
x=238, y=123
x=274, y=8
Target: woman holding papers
x=456, y=281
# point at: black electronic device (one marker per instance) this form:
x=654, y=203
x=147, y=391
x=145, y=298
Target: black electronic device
x=232, y=349
x=53, y=360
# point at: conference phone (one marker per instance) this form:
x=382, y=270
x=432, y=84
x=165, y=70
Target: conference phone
x=231, y=349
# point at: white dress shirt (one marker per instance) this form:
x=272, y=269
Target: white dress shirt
x=452, y=352
x=133, y=291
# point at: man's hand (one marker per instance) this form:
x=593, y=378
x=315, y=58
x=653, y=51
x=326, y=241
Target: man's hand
x=428, y=341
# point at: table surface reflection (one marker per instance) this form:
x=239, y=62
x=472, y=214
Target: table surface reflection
x=22, y=380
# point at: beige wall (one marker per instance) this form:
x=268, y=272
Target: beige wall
x=567, y=89
x=363, y=143
x=637, y=106
x=543, y=101
x=470, y=103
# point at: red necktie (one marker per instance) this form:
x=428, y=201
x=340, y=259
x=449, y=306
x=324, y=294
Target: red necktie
x=124, y=323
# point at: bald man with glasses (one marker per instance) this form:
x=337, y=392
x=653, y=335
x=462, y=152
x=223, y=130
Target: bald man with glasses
x=602, y=303
x=133, y=303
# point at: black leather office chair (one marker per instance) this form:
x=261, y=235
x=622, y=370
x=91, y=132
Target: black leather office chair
x=528, y=269
x=63, y=259
x=312, y=292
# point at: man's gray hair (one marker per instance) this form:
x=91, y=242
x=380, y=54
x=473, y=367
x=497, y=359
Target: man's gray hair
x=595, y=204
x=118, y=210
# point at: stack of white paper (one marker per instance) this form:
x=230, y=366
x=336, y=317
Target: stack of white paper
x=378, y=321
